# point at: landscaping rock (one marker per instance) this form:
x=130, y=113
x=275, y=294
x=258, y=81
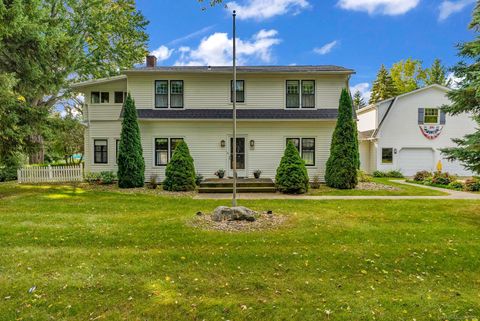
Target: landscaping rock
x=239, y=213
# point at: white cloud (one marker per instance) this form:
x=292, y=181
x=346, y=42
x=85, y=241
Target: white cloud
x=264, y=9
x=325, y=49
x=364, y=89
x=162, y=53
x=454, y=81
x=216, y=50
x=447, y=8
x=386, y=7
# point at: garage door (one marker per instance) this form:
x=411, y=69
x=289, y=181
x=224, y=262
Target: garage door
x=413, y=160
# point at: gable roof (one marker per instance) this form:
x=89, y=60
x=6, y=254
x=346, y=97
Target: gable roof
x=319, y=69
x=391, y=105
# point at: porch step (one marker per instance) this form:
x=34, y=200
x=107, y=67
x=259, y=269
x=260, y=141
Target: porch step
x=239, y=189
x=244, y=185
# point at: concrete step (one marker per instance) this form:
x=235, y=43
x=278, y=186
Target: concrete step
x=227, y=189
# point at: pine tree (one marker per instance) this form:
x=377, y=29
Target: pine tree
x=292, y=176
x=437, y=74
x=383, y=87
x=466, y=98
x=180, y=171
x=342, y=165
x=358, y=101
x=131, y=165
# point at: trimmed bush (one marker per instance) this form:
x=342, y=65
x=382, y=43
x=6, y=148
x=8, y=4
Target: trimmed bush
x=472, y=185
x=420, y=176
x=198, y=179
x=131, y=165
x=394, y=174
x=292, y=176
x=456, y=185
x=180, y=172
x=440, y=178
x=363, y=177
x=379, y=174
x=341, y=170
x=92, y=178
x=107, y=177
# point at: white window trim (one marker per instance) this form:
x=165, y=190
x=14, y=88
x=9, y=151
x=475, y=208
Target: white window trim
x=425, y=115
x=154, y=165
x=315, y=165
x=381, y=155
x=300, y=94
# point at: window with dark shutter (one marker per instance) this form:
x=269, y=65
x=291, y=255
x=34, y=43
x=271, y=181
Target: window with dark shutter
x=421, y=114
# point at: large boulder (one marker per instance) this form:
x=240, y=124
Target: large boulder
x=239, y=213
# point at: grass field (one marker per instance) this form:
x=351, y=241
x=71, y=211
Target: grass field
x=106, y=255
x=402, y=190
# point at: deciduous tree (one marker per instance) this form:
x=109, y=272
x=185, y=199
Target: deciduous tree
x=407, y=75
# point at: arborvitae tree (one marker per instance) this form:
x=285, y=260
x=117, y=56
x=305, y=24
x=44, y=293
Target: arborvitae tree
x=437, y=74
x=342, y=165
x=292, y=176
x=358, y=101
x=466, y=98
x=407, y=75
x=131, y=165
x=383, y=87
x=180, y=171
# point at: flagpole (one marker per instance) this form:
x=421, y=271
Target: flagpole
x=234, y=99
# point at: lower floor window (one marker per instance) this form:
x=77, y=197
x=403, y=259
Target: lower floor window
x=387, y=155
x=100, y=147
x=164, y=148
x=306, y=148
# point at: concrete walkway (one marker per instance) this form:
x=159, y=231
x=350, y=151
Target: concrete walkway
x=452, y=195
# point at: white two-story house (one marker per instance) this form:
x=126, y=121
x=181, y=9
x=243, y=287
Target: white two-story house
x=275, y=104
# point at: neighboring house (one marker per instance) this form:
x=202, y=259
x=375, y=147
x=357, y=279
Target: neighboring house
x=406, y=133
x=275, y=104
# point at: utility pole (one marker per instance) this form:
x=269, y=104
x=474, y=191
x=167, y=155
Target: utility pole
x=234, y=98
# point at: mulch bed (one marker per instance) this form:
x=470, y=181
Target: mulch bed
x=372, y=186
x=263, y=222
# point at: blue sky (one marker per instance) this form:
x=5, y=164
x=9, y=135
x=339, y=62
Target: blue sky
x=358, y=34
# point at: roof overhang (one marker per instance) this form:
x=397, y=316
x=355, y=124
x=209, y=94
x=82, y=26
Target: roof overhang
x=99, y=81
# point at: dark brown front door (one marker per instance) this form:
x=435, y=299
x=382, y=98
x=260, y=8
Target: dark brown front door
x=240, y=153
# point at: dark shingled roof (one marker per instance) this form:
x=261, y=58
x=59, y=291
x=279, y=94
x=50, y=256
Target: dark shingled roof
x=248, y=69
x=331, y=113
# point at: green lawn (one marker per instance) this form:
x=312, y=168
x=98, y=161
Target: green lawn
x=403, y=190
x=105, y=255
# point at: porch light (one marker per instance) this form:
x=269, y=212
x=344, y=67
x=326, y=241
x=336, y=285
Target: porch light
x=395, y=151
x=222, y=143
x=252, y=143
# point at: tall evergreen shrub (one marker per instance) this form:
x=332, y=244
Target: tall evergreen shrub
x=180, y=172
x=342, y=165
x=131, y=165
x=292, y=176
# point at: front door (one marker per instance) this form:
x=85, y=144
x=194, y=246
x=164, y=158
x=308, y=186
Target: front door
x=241, y=166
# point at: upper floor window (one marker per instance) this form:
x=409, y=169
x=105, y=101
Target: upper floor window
x=430, y=116
x=176, y=93
x=161, y=94
x=168, y=91
x=164, y=148
x=100, y=147
x=300, y=93
x=119, y=97
x=100, y=97
x=306, y=148
x=240, y=91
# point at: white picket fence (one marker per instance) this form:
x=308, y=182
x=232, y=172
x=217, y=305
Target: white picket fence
x=50, y=174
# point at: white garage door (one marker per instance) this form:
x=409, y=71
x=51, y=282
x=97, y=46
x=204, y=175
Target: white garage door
x=413, y=160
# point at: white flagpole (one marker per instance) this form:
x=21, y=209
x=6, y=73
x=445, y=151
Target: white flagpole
x=234, y=98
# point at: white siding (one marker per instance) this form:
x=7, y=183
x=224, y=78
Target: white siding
x=367, y=120
x=204, y=140
x=110, y=111
x=400, y=129
x=213, y=91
